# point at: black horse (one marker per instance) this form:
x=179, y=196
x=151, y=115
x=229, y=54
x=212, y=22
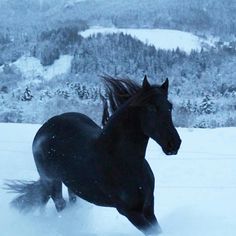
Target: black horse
x=106, y=166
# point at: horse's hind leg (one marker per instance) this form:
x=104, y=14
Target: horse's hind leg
x=72, y=196
x=56, y=195
x=51, y=184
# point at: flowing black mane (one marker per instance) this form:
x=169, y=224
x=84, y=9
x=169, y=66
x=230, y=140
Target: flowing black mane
x=118, y=91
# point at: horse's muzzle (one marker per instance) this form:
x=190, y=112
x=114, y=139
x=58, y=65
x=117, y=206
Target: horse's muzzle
x=171, y=153
x=172, y=147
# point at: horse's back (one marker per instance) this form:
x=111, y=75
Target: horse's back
x=68, y=125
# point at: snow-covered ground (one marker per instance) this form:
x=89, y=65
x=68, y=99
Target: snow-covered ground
x=195, y=190
x=31, y=67
x=160, y=38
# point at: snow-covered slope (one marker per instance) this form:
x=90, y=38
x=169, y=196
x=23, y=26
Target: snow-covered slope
x=195, y=191
x=31, y=67
x=160, y=38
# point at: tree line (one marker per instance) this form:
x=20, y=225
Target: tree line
x=202, y=83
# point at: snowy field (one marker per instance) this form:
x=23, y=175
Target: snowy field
x=195, y=191
x=160, y=38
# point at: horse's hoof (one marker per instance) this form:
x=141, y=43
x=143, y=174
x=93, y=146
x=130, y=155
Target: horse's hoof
x=60, y=205
x=154, y=231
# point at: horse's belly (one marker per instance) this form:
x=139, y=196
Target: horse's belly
x=90, y=191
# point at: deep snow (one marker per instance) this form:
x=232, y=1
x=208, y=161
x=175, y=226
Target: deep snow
x=195, y=190
x=160, y=38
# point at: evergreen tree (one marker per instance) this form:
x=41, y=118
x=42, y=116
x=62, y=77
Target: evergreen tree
x=207, y=106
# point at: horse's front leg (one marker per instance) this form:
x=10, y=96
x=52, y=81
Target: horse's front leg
x=138, y=219
x=149, y=214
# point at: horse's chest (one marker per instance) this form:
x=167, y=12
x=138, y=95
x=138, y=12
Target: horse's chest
x=123, y=176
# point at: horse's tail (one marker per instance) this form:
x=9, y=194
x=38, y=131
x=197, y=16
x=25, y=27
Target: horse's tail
x=32, y=194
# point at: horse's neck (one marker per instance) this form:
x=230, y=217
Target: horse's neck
x=123, y=135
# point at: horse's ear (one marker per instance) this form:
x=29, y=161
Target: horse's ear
x=146, y=84
x=165, y=85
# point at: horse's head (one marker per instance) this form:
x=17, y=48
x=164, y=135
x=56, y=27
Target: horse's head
x=156, y=118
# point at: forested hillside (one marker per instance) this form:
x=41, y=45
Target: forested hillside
x=202, y=83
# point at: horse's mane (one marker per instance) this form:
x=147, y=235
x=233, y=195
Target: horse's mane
x=118, y=91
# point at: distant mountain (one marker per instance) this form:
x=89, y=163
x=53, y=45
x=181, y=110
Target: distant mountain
x=25, y=6
x=26, y=15
x=203, y=16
